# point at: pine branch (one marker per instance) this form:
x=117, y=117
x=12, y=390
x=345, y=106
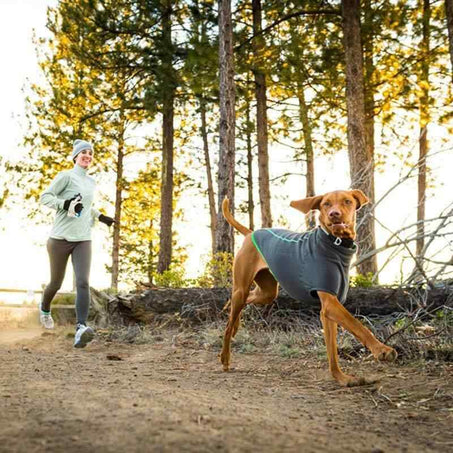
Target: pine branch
x=304, y=12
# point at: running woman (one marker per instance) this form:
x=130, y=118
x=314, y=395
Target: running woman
x=71, y=195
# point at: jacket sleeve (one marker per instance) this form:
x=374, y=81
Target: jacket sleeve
x=95, y=214
x=50, y=197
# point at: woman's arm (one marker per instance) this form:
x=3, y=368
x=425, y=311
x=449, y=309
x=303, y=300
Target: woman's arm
x=95, y=213
x=49, y=197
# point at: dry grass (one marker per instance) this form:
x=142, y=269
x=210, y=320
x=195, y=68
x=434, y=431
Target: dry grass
x=424, y=336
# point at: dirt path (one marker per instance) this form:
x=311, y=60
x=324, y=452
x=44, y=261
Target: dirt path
x=175, y=398
x=13, y=336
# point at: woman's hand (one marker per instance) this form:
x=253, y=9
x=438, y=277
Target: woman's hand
x=74, y=206
x=105, y=219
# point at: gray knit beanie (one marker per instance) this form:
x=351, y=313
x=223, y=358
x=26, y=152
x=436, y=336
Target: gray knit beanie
x=79, y=146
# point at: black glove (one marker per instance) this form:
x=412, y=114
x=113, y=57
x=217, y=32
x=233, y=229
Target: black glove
x=105, y=219
x=68, y=202
x=74, y=206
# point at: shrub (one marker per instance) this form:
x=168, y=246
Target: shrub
x=218, y=271
x=362, y=281
x=171, y=278
x=64, y=299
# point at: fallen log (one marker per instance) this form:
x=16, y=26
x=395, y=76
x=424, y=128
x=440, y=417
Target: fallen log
x=198, y=305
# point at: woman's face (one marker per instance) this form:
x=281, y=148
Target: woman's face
x=84, y=158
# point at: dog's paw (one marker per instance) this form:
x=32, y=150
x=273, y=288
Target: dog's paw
x=353, y=381
x=362, y=380
x=385, y=354
x=225, y=362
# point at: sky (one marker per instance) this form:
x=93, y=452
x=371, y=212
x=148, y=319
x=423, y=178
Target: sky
x=24, y=262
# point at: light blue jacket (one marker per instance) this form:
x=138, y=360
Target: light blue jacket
x=66, y=185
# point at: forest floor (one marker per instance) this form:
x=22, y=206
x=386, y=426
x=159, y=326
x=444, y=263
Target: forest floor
x=172, y=396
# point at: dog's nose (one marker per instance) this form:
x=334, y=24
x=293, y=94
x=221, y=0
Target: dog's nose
x=334, y=213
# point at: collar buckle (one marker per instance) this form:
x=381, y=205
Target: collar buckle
x=337, y=241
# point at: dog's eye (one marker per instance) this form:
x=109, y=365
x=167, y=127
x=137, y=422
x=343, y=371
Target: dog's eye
x=348, y=202
x=327, y=204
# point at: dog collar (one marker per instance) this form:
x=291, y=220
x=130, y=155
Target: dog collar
x=347, y=243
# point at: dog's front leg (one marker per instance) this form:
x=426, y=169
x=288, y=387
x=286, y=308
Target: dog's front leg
x=334, y=311
x=330, y=335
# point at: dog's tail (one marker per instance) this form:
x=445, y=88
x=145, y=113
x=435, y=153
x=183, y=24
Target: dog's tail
x=231, y=220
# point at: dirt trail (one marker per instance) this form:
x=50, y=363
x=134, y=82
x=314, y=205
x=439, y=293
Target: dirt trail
x=13, y=336
x=174, y=398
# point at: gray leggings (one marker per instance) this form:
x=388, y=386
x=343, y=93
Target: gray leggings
x=59, y=251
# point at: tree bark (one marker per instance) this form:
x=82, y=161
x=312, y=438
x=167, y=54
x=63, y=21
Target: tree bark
x=361, y=163
x=310, y=218
x=168, y=93
x=370, y=265
x=449, y=15
x=150, y=257
x=207, y=160
x=250, y=202
x=224, y=233
x=118, y=205
x=261, y=117
x=423, y=124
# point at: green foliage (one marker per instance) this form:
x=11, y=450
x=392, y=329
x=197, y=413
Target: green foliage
x=444, y=316
x=171, y=278
x=218, y=271
x=362, y=281
x=109, y=66
x=288, y=351
x=402, y=322
x=4, y=190
x=64, y=299
x=140, y=227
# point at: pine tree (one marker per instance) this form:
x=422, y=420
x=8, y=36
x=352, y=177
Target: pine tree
x=224, y=234
x=259, y=65
x=361, y=162
x=449, y=16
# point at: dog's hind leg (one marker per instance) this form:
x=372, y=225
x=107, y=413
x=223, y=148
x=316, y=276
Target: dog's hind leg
x=237, y=304
x=264, y=293
x=247, y=265
x=266, y=289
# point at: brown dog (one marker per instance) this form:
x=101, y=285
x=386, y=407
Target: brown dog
x=309, y=265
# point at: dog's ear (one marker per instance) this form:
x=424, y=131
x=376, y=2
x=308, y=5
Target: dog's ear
x=307, y=204
x=360, y=197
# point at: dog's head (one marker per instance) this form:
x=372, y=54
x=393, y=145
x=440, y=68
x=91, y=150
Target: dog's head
x=337, y=210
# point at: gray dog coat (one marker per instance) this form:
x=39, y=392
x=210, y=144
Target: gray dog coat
x=304, y=263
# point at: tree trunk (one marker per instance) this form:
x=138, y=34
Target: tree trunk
x=361, y=163
x=310, y=218
x=449, y=14
x=371, y=264
x=211, y=195
x=150, y=267
x=168, y=93
x=423, y=123
x=261, y=117
x=250, y=202
x=118, y=204
x=224, y=233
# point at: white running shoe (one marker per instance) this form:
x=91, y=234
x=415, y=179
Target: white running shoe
x=46, y=320
x=83, y=336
